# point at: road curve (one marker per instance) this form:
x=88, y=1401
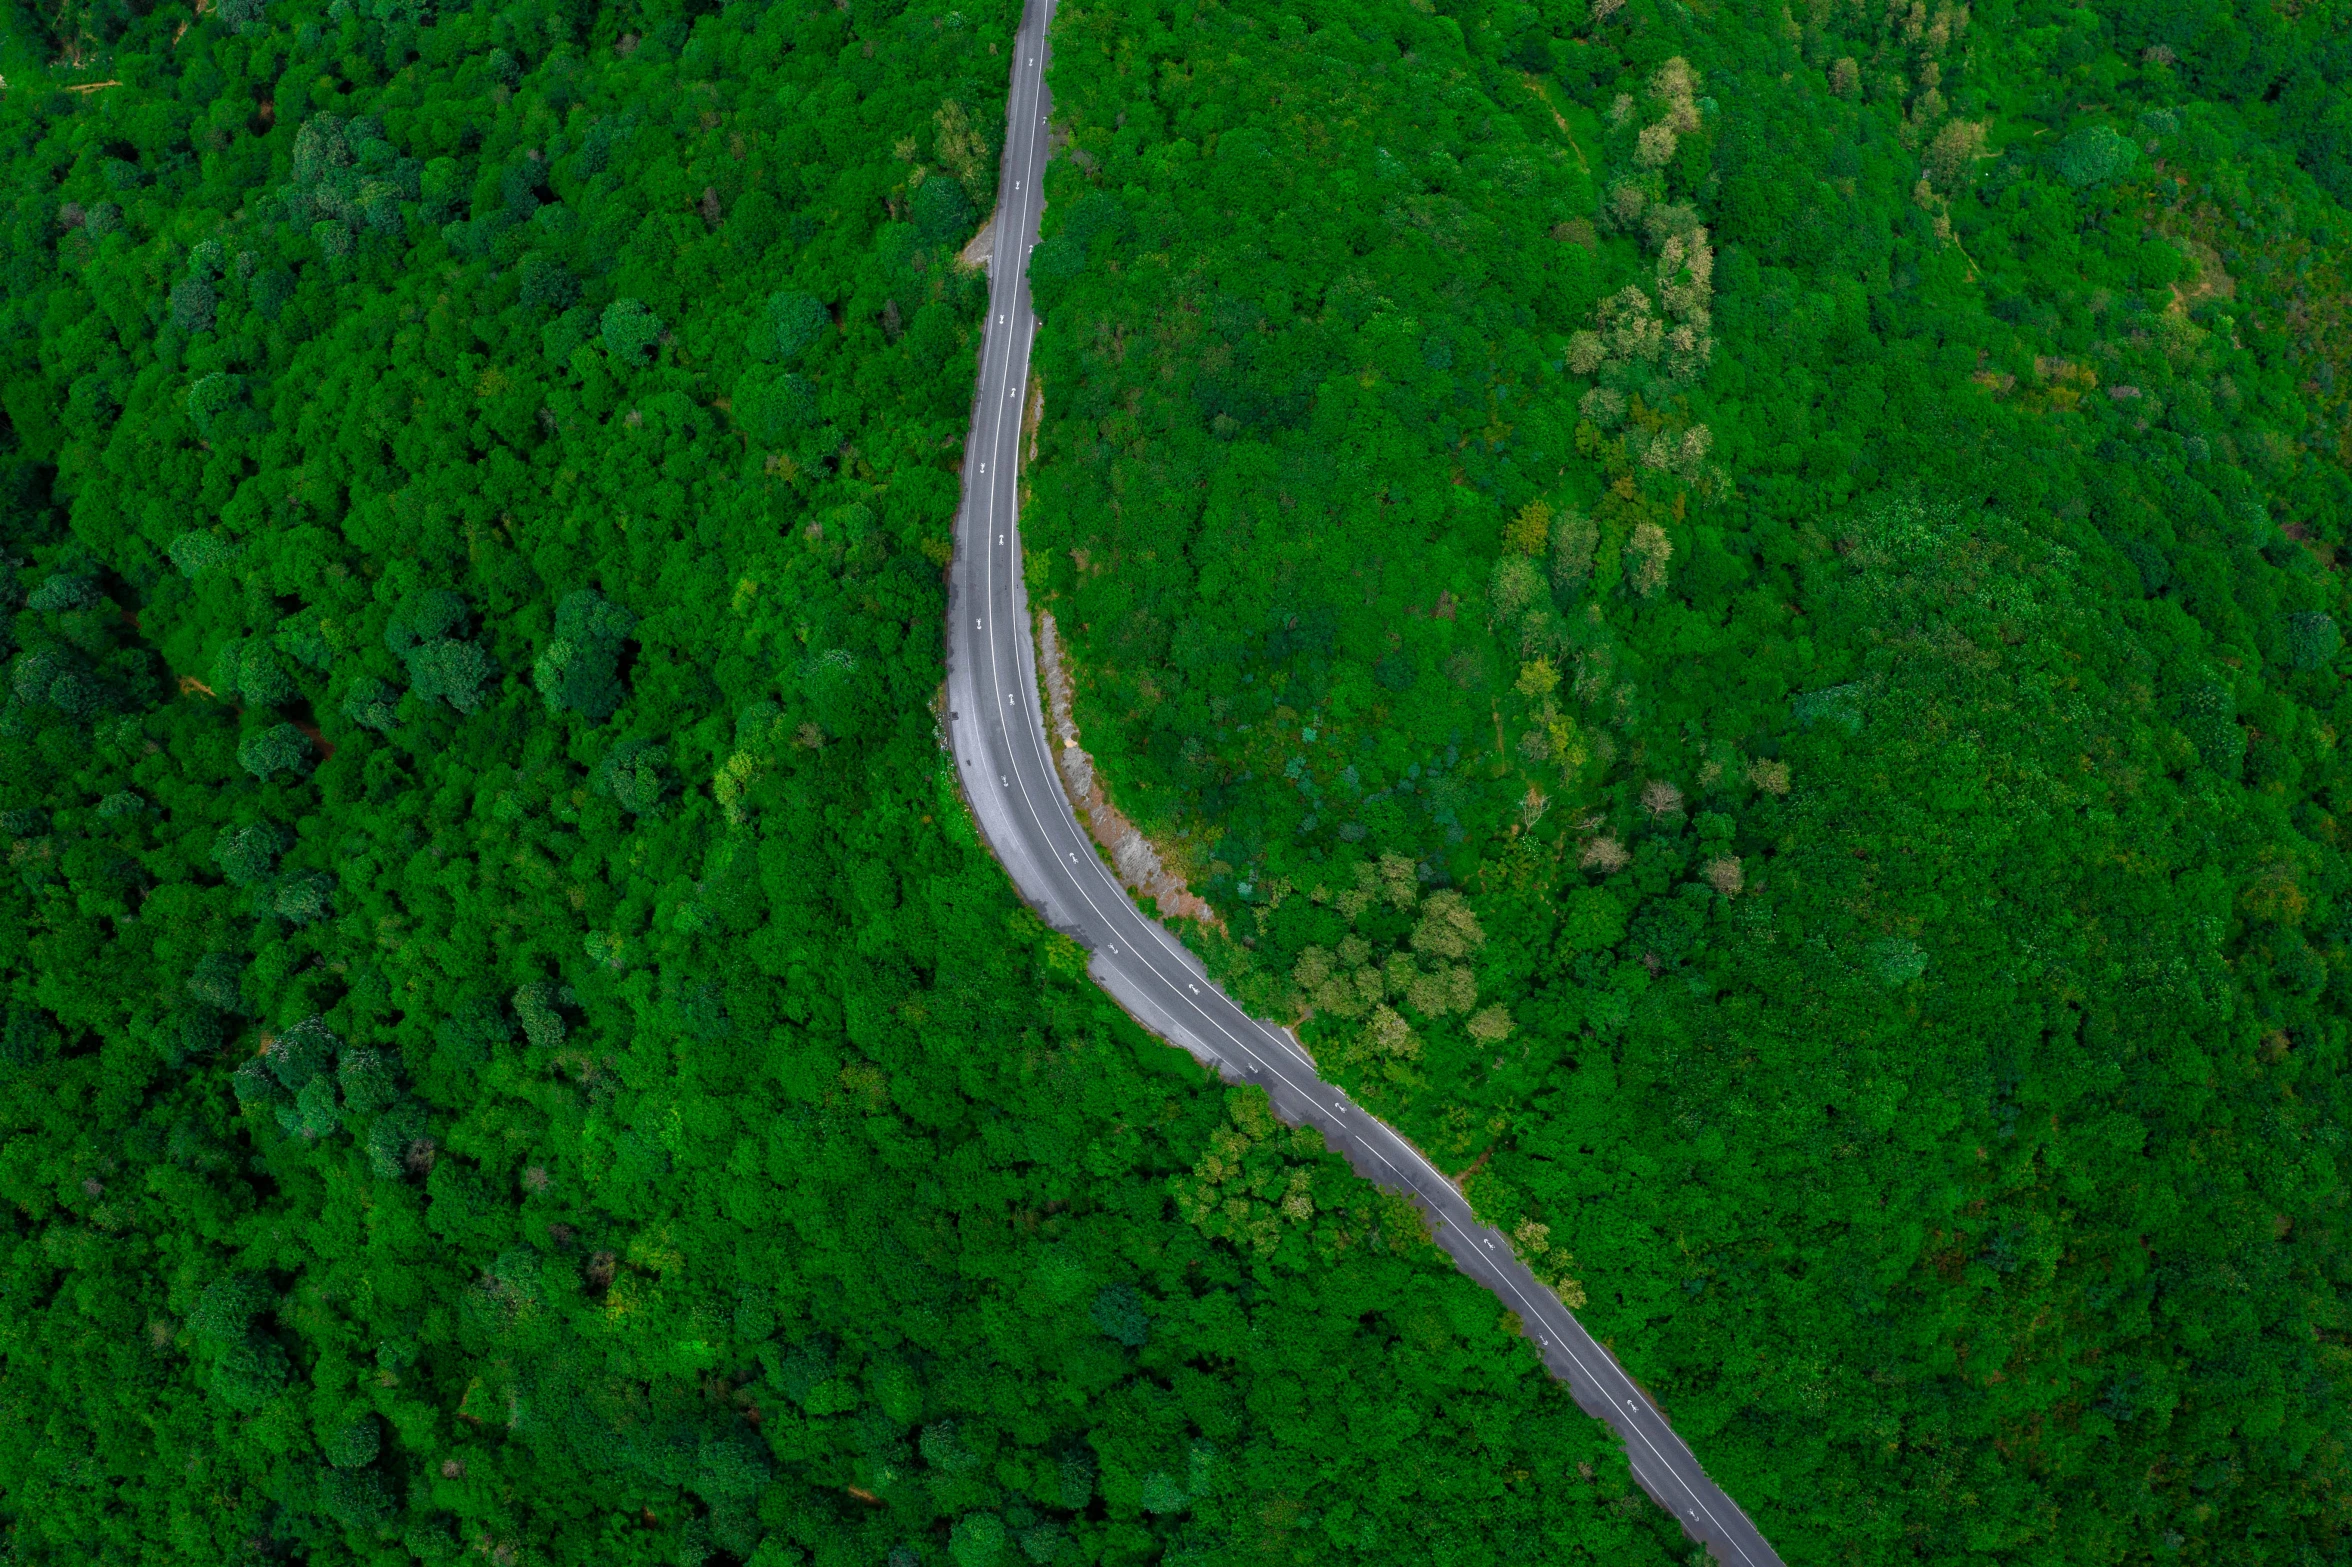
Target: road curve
x=997, y=730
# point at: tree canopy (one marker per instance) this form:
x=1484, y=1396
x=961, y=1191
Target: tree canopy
x=1737, y=608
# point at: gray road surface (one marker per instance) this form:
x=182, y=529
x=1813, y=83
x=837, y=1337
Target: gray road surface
x=998, y=733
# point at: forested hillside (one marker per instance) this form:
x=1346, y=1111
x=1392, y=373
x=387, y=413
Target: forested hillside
x=510, y=1050
x=1739, y=607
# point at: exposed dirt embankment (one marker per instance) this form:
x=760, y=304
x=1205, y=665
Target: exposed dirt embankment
x=975, y=256
x=1133, y=857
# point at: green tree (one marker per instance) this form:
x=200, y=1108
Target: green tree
x=579, y=669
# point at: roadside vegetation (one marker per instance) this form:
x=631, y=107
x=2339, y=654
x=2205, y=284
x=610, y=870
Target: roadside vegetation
x=1739, y=607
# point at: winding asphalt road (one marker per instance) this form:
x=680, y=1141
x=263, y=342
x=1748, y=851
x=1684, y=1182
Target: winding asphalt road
x=997, y=729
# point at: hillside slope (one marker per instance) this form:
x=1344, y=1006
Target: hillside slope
x=1739, y=608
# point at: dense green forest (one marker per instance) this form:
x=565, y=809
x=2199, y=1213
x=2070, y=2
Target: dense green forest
x=1738, y=606
x=511, y=1050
